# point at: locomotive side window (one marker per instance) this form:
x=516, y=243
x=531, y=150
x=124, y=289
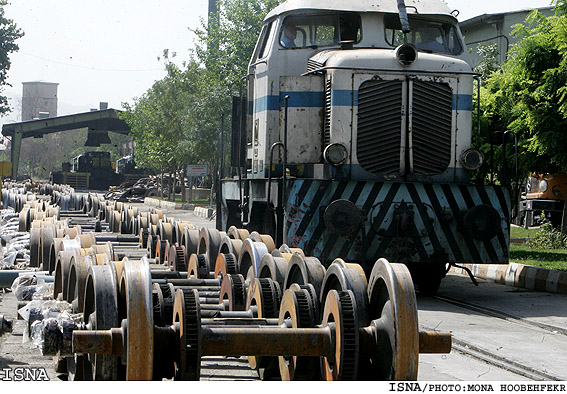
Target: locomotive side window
x=426, y=35
x=320, y=30
x=265, y=36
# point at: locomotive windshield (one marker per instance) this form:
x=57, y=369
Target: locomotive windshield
x=320, y=30
x=426, y=35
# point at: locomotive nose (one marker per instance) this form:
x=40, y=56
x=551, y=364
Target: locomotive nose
x=482, y=222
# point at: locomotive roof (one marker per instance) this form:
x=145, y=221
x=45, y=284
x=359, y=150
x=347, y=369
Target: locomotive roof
x=423, y=6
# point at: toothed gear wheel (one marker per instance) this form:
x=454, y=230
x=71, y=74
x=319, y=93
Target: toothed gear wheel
x=310, y=290
x=180, y=259
x=270, y=302
x=202, y=266
x=340, y=311
x=157, y=307
x=239, y=293
x=189, y=367
x=349, y=337
x=231, y=263
x=145, y=236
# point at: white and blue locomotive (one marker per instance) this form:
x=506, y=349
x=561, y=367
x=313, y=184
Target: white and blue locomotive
x=368, y=106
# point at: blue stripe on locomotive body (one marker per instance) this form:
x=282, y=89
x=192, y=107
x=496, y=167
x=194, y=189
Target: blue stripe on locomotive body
x=435, y=234
x=339, y=97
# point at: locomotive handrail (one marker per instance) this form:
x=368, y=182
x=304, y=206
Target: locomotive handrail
x=517, y=186
x=279, y=207
x=403, y=71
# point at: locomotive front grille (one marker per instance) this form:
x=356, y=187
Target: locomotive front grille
x=327, y=122
x=380, y=134
x=379, y=122
x=431, y=117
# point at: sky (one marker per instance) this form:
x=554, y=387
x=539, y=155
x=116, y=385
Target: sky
x=107, y=50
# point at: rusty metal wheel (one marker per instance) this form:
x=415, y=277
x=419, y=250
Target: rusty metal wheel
x=233, y=292
x=274, y=268
x=264, y=238
x=209, y=244
x=250, y=256
x=162, y=296
x=230, y=245
x=165, y=231
x=190, y=240
x=304, y=270
x=188, y=315
x=297, y=311
x=100, y=312
x=393, y=315
x=237, y=233
x=35, y=247
x=226, y=264
x=343, y=276
x=136, y=291
x=340, y=313
x=265, y=296
x=78, y=274
x=198, y=266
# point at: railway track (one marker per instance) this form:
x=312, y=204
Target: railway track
x=485, y=354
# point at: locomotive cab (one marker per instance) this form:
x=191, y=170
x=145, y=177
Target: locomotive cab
x=375, y=121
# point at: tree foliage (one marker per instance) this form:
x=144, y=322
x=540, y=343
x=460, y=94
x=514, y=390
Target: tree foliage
x=529, y=94
x=177, y=121
x=9, y=33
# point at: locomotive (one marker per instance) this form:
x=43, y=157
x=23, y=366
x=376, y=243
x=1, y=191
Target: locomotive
x=353, y=139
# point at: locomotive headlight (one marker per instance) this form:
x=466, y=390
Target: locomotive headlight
x=406, y=54
x=543, y=186
x=471, y=159
x=335, y=154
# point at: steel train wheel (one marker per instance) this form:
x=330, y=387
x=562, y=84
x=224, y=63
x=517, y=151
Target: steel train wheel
x=188, y=315
x=265, y=296
x=340, y=313
x=298, y=309
x=343, y=276
x=393, y=315
x=136, y=293
x=100, y=311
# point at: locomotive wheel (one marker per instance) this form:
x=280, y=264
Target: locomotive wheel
x=393, y=315
x=297, y=308
x=188, y=315
x=340, y=312
x=136, y=295
x=237, y=233
x=304, y=270
x=230, y=245
x=209, y=244
x=35, y=247
x=263, y=293
x=343, y=276
x=265, y=239
x=100, y=311
x=226, y=264
x=250, y=257
x=233, y=290
x=198, y=266
x=274, y=268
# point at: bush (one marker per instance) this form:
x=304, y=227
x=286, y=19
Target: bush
x=548, y=237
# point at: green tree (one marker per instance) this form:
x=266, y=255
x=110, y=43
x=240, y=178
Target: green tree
x=9, y=33
x=529, y=94
x=177, y=121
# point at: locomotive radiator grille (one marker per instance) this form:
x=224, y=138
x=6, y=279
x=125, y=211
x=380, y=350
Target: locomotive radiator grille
x=381, y=126
x=379, y=123
x=431, y=119
x=327, y=123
